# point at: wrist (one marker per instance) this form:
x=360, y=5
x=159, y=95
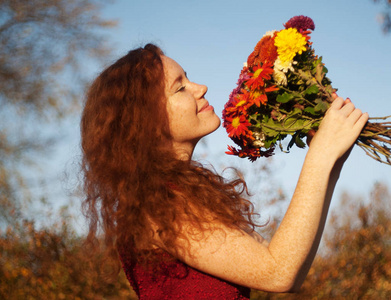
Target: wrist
x=321, y=158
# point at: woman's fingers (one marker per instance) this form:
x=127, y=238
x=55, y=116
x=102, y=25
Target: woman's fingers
x=346, y=101
x=353, y=114
x=339, y=129
x=362, y=120
x=337, y=103
x=347, y=108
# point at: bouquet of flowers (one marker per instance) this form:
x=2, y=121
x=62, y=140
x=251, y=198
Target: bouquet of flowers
x=283, y=91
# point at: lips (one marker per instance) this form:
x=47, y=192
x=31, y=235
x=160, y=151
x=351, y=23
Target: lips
x=205, y=107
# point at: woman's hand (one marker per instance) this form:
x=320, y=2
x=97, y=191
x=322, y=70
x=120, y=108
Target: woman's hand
x=339, y=129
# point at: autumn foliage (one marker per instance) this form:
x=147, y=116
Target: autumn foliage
x=51, y=263
x=354, y=261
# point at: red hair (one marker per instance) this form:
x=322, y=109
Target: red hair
x=132, y=178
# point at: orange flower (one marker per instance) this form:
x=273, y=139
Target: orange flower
x=259, y=75
x=264, y=51
x=243, y=100
x=251, y=58
x=259, y=98
x=267, y=50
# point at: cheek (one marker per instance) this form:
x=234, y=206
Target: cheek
x=175, y=114
x=182, y=111
x=176, y=118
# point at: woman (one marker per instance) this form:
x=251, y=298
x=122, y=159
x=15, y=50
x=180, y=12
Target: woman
x=181, y=231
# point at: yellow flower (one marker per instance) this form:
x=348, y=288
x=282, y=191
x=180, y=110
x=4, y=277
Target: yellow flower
x=289, y=42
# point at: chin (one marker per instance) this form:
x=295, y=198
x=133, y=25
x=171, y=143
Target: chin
x=217, y=125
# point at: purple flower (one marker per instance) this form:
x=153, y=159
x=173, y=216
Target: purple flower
x=242, y=78
x=301, y=23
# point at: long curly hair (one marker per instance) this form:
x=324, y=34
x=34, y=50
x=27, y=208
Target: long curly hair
x=133, y=182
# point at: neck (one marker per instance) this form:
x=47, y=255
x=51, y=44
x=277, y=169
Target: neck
x=184, y=151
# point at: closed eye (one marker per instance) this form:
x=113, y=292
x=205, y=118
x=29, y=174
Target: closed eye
x=181, y=89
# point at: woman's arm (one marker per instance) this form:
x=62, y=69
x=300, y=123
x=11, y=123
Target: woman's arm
x=283, y=264
x=308, y=209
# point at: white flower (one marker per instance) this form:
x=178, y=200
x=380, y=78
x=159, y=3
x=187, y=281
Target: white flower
x=279, y=77
x=284, y=66
x=259, y=139
x=245, y=64
x=258, y=144
x=270, y=33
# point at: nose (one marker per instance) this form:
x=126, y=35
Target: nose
x=200, y=90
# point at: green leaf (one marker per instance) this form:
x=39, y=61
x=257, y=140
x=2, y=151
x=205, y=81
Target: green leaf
x=270, y=128
x=313, y=89
x=311, y=111
x=321, y=107
x=284, y=98
x=292, y=124
x=299, y=142
x=269, y=143
x=291, y=143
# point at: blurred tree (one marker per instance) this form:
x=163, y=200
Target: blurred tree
x=385, y=15
x=45, y=50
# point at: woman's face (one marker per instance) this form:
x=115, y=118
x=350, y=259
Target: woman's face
x=189, y=113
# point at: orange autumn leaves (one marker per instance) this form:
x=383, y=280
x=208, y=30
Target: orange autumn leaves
x=52, y=263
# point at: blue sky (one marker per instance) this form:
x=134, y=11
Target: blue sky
x=211, y=40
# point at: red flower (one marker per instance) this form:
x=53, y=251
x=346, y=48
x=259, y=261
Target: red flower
x=238, y=105
x=243, y=100
x=251, y=153
x=259, y=75
x=259, y=98
x=238, y=126
x=260, y=95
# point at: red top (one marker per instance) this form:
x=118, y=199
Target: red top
x=176, y=280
